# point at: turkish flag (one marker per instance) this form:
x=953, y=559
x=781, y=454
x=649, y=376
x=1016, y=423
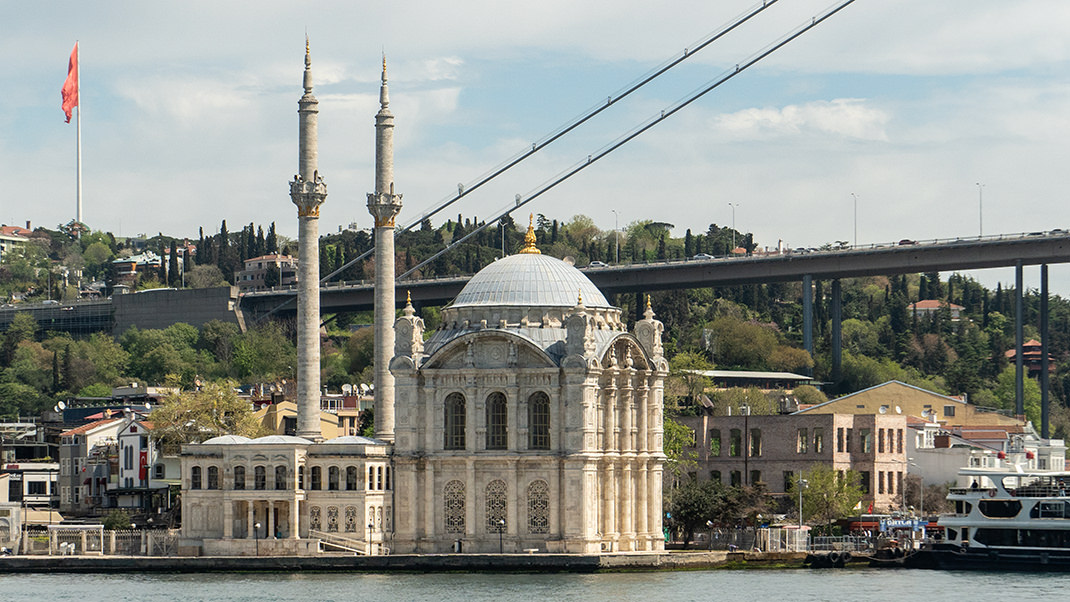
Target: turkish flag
x=143, y=472
x=70, y=87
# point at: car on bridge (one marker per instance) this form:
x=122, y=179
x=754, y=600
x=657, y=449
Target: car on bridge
x=703, y=256
x=597, y=264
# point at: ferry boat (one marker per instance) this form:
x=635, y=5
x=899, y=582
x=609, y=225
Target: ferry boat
x=1005, y=520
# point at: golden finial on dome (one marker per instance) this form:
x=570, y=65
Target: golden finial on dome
x=579, y=297
x=408, y=297
x=529, y=238
x=648, y=302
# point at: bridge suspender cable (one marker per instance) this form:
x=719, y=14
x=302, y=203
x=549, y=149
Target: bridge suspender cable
x=464, y=190
x=591, y=159
x=553, y=136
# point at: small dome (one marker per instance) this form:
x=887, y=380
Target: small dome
x=353, y=440
x=281, y=439
x=530, y=280
x=227, y=440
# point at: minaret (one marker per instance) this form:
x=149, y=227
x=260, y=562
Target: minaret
x=384, y=206
x=308, y=191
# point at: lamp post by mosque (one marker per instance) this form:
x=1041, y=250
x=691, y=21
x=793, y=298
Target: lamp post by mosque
x=501, y=530
x=256, y=534
x=616, y=238
x=733, y=206
x=803, y=483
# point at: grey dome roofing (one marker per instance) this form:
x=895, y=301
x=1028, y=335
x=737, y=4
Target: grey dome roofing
x=227, y=440
x=353, y=440
x=529, y=280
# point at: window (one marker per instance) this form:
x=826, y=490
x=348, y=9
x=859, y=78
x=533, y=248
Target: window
x=801, y=441
x=371, y=478
x=455, y=419
x=539, y=421
x=891, y=482
x=259, y=478
x=899, y=441
x=387, y=479
x=880, y=481
x=755, y=442
x=735, y=478
x=351, y=519
x=755, y=477
x=538, y=507
x=300, y=477
x=735, y=442
x=454, y=510
x=819, y=440
x=949, y=411
x=239, y=477
x=213, y=477
x=715, y=476
x=496, y=506
x=314, y=518
x=865, y=437
x=839, y=440
x=847, y=440
x=715, y=442
x=280, y=477
x=867, y=484
x=351, y=478
x=880, y=441
x=789, y=480
x=332, y=519
x=891, y=441
x=317, y=478
x=332, y=478
x=36, y=488
x=497, y=417
x=195, y=477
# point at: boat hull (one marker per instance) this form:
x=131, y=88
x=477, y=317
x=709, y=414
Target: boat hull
x=989, y=559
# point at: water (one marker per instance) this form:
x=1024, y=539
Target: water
x=683, y=586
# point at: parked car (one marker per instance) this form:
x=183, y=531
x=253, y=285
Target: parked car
x=907, y=241
x=702, y=256
x=597, y=264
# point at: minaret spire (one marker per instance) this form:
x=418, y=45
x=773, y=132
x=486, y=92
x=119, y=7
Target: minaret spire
x=384, y=207
x=308, y=192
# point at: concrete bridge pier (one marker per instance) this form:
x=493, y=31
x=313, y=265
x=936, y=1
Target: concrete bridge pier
x=837, y=338
x=808, y=315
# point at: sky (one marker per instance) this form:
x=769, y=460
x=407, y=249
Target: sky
x=884, y=120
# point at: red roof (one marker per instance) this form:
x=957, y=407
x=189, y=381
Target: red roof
x=85, y=428
x=933, y=304
x=15, y=231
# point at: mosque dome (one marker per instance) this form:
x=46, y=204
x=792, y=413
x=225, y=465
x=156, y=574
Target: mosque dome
x=529, y=280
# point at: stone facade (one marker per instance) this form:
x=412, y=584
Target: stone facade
x=775, y=450
x=529, y=424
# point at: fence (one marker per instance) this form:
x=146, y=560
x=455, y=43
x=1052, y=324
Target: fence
x=94, y=539
x=845, y=543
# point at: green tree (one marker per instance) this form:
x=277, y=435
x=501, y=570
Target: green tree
x=196, y=416
x=1004, y=392
x=693, y=504
x=827, y=496
x=680, y=454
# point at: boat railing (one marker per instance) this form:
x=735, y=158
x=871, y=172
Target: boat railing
x=988, y=491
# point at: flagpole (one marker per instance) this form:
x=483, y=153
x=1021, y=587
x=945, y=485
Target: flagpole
x=78, y=124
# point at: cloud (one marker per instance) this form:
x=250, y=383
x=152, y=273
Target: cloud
x=844, y=117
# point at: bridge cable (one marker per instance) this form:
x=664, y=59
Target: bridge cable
x=611, y=100
x=665, y=114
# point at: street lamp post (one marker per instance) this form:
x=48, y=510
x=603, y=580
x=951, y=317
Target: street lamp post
x=803, y=483
x=501, y=530
x=745, y=410
x=709, y=526
x=855, y=197
x=256, y=534
x=616, y=238
x=980, y=210
x=733, y=206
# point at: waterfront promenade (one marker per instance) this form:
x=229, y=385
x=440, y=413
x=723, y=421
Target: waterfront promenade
x=567, y=563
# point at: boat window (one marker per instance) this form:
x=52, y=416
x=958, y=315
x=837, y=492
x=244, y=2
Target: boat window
x=1050, y=509
x=999, y=508
x=952, y=534
x=962, y=507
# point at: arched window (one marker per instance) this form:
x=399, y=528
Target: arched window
x=213, y=477
x=455, y=419
x=300, y=477
x=239, y=477
x=351, y=519
x=317, y=478
x=259, y=478
x=280, y=477
x=314, y=518
x=351, y=478
x=454, y=501
x=538, y=507
x=497, y=417
x=195, y=477
x=332, y=478
x=496, y=506
x=539, y=421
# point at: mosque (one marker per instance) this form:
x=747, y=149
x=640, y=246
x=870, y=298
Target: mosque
x=531, y=420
